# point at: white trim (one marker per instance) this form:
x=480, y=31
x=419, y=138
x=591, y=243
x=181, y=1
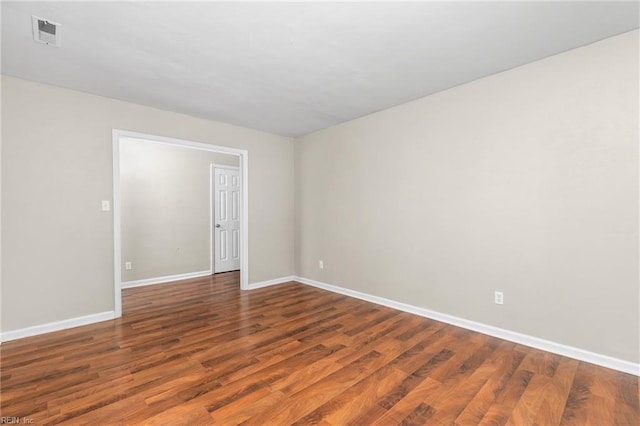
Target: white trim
x=244, y=209
x=117, y=242
x=181, y=142
x=268, y=283
x=165, y=279
x=244, y=226
x=212, y=263
x=512, y=336
x=57, y=326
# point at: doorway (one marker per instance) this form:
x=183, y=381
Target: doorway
x=235, y=221
x=226, y=218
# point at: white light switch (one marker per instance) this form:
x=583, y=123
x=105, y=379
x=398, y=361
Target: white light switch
x=106, y=205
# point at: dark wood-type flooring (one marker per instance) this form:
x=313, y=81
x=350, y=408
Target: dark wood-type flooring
x=202, y=352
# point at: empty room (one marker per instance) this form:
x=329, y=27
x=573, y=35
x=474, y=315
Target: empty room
x=337, y=213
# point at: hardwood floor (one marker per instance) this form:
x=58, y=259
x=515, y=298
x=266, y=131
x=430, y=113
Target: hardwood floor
x=201, y=352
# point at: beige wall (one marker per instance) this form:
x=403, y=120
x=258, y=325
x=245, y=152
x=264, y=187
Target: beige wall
x=165, y=208
x=57, y=245
x=524, y=182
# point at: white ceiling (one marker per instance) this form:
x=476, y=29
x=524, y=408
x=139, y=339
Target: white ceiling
x=292, y=68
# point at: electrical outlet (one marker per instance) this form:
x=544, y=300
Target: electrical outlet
x=499, y=298
x=127, y=266
x=320, y=264
x=106, y=205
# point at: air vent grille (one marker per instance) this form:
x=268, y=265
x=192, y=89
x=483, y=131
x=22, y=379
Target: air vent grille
x=45, y=31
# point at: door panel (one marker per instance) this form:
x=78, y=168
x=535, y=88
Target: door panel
x=226, y=245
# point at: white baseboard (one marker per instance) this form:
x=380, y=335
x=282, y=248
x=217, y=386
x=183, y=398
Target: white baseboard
x=168, y=278
x=276, y=281
x=512, y=336
x=56, y=326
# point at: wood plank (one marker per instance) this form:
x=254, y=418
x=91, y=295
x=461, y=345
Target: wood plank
x=201, y=351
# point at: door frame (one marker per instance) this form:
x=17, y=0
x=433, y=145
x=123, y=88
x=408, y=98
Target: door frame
x=212, y=211
x=243, y=155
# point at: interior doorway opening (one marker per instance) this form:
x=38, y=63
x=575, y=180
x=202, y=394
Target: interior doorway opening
x=156, y=247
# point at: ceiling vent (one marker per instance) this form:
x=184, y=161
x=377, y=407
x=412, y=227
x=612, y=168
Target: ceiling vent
x=45, y=31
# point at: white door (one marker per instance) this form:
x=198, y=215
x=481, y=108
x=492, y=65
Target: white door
x=226, y=221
